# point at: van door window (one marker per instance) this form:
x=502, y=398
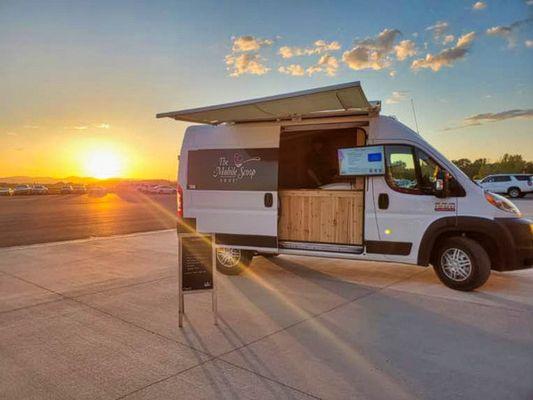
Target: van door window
x=401, y=171
x=413, y=171
x=428, y=171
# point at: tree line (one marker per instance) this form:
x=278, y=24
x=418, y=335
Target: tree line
x=508, y=164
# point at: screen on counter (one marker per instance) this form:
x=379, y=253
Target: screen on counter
x=367, y=160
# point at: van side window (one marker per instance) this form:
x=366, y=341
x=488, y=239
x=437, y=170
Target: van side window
x=411, y=170
x=428, y=171
x=401, y=171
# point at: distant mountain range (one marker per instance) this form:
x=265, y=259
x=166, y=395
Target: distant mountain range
x=84, y=180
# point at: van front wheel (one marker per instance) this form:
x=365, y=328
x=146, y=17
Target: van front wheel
x=232, y=261
x=462, y=264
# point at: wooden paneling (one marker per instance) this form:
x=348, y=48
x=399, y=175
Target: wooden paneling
x=322, y=216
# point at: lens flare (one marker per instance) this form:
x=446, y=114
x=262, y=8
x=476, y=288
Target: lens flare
x=103, y=164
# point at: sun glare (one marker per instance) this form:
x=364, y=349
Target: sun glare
x=103, y=164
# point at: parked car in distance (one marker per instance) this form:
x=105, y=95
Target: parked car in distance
x=163, y=189
x=514, y=185
x=5, y=191
x=39, y=189
x=96, y=191
x=143, y=188
x=80, y=189
x=22, y=190
x=67, y=189
x=150, y=189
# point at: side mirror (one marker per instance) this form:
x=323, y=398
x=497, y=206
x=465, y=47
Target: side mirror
x=440, y=188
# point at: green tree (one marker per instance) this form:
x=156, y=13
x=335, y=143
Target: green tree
x=508, y=163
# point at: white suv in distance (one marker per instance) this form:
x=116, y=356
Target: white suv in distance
x=515, y=185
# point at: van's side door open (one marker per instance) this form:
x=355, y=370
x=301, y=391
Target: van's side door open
x=232, y=183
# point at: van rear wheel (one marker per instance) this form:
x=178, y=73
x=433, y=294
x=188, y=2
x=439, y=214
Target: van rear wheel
x=232, y=261
x=462, y=264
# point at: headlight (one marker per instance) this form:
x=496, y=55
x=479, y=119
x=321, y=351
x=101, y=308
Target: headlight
x=502, y=203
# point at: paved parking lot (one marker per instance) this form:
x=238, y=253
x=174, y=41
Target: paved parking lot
x=41, y=219
x=97, y=319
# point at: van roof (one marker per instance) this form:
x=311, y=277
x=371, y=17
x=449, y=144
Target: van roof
x=336, y=100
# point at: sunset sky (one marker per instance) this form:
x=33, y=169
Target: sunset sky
x=81, y=80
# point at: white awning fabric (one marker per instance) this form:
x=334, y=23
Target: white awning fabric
x=337, y=100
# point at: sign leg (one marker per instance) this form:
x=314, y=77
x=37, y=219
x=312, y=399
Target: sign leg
x=180, y=290
x=215, y=283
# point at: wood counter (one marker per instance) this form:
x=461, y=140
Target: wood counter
x=321, y=216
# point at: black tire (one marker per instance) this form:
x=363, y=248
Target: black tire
x=514, y=192
x=468, y=251
x=234, y=264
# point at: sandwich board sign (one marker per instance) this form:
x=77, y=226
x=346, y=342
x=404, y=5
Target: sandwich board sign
x=196, y=268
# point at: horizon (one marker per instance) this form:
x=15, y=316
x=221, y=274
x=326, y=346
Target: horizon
x=85, y=81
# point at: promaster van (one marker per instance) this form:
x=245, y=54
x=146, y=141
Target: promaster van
x=321, y=173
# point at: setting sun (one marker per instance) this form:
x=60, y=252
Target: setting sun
x=103, y=164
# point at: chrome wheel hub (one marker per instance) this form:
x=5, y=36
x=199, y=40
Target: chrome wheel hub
x=456, y=264
x=228, y=257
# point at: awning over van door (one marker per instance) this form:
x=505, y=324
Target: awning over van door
x=337, y=100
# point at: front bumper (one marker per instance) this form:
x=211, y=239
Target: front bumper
x=517, y=235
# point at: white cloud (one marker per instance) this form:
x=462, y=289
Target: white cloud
x=249, y=43
x=293, y=69
x=31, y=127
x=372, y=53
x=529, y=2
x=12, y=134
x=246, y=63
x=481, y=119
x=479, y=5
x=329, y=64
x=448, y=39
x=509, y=32
x=313, y=69
x=504, y=32
x=392, y=73
x=438, y=29
x=319, y=47
x=447, y=57
x=466, y=40
x=103, y=125
x=529, y=44
x=397, y=97
x=405, y=49
x=286, y=52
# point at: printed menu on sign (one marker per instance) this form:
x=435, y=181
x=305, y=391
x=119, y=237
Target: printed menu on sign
x=368, y=160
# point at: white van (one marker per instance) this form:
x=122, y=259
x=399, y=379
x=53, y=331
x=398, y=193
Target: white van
x=282, y=175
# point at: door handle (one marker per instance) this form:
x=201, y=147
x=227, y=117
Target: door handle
x=383, y=201
x=269, y=200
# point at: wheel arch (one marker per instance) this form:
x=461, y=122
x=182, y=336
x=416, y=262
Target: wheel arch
x=486, y=232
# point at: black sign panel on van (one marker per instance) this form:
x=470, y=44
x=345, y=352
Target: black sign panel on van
x=196, y=263
x=233, y=169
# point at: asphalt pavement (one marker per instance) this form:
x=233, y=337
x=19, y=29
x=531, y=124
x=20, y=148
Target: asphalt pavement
x=525, y=205
x=97, y=319
x=51, y=218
